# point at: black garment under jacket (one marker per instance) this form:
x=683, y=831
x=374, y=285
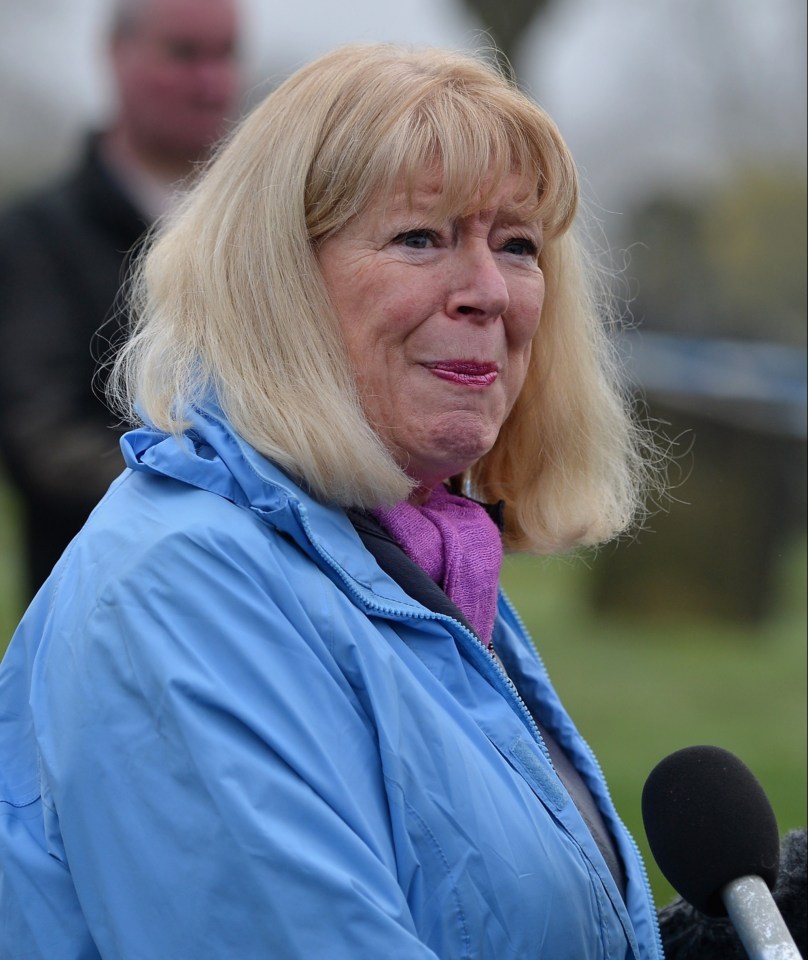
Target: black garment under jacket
x=63, y=253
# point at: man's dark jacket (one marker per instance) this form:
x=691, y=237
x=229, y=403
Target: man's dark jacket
x=63, y=253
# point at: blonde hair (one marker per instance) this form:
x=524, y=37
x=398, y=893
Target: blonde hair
x=230, y=299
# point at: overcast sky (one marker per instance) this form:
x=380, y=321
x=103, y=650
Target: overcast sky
x=644, y=92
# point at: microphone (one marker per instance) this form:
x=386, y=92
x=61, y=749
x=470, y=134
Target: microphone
x=714, y=835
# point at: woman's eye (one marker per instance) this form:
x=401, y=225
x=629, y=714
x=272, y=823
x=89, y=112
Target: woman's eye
x=521, y=247
x=415, y=239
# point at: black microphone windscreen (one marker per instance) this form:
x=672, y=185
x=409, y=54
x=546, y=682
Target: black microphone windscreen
x=709, y=821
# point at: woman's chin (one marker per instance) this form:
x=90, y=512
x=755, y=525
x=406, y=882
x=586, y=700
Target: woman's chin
x=447, y=457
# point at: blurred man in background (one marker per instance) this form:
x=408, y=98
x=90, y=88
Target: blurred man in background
x=64, y=250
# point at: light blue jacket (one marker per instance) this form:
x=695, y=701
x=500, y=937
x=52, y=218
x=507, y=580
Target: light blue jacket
x=226, y=733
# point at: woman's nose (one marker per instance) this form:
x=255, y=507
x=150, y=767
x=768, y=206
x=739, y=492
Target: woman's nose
x=478, y=290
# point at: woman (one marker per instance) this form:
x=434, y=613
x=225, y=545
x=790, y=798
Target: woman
x=271, y=702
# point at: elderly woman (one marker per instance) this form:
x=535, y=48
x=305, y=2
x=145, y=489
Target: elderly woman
x=271, y=702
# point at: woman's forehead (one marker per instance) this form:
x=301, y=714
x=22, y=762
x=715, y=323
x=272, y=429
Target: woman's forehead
x=509, y=194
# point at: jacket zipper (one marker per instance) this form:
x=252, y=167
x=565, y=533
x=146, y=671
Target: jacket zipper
x=627, y=833
x=485, y=655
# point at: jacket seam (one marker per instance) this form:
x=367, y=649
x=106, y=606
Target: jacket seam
x=447, y=867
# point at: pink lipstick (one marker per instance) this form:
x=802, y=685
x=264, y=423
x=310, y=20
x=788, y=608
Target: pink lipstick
x=466, y=372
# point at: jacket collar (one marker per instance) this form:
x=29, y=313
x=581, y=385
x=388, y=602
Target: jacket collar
x=211, y=456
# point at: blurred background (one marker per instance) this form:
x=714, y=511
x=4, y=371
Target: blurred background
x=688, y=121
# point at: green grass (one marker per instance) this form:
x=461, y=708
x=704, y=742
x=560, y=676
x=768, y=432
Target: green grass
x=10, y=573
x=637, y=690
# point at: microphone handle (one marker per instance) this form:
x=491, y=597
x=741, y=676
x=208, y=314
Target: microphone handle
x=757, y=921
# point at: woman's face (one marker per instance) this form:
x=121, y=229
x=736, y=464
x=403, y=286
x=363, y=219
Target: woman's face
x=438, y=316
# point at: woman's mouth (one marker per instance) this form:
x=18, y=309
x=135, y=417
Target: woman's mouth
x=466, y=372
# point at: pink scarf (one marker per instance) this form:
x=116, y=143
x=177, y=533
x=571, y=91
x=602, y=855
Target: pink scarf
x=456, y=542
